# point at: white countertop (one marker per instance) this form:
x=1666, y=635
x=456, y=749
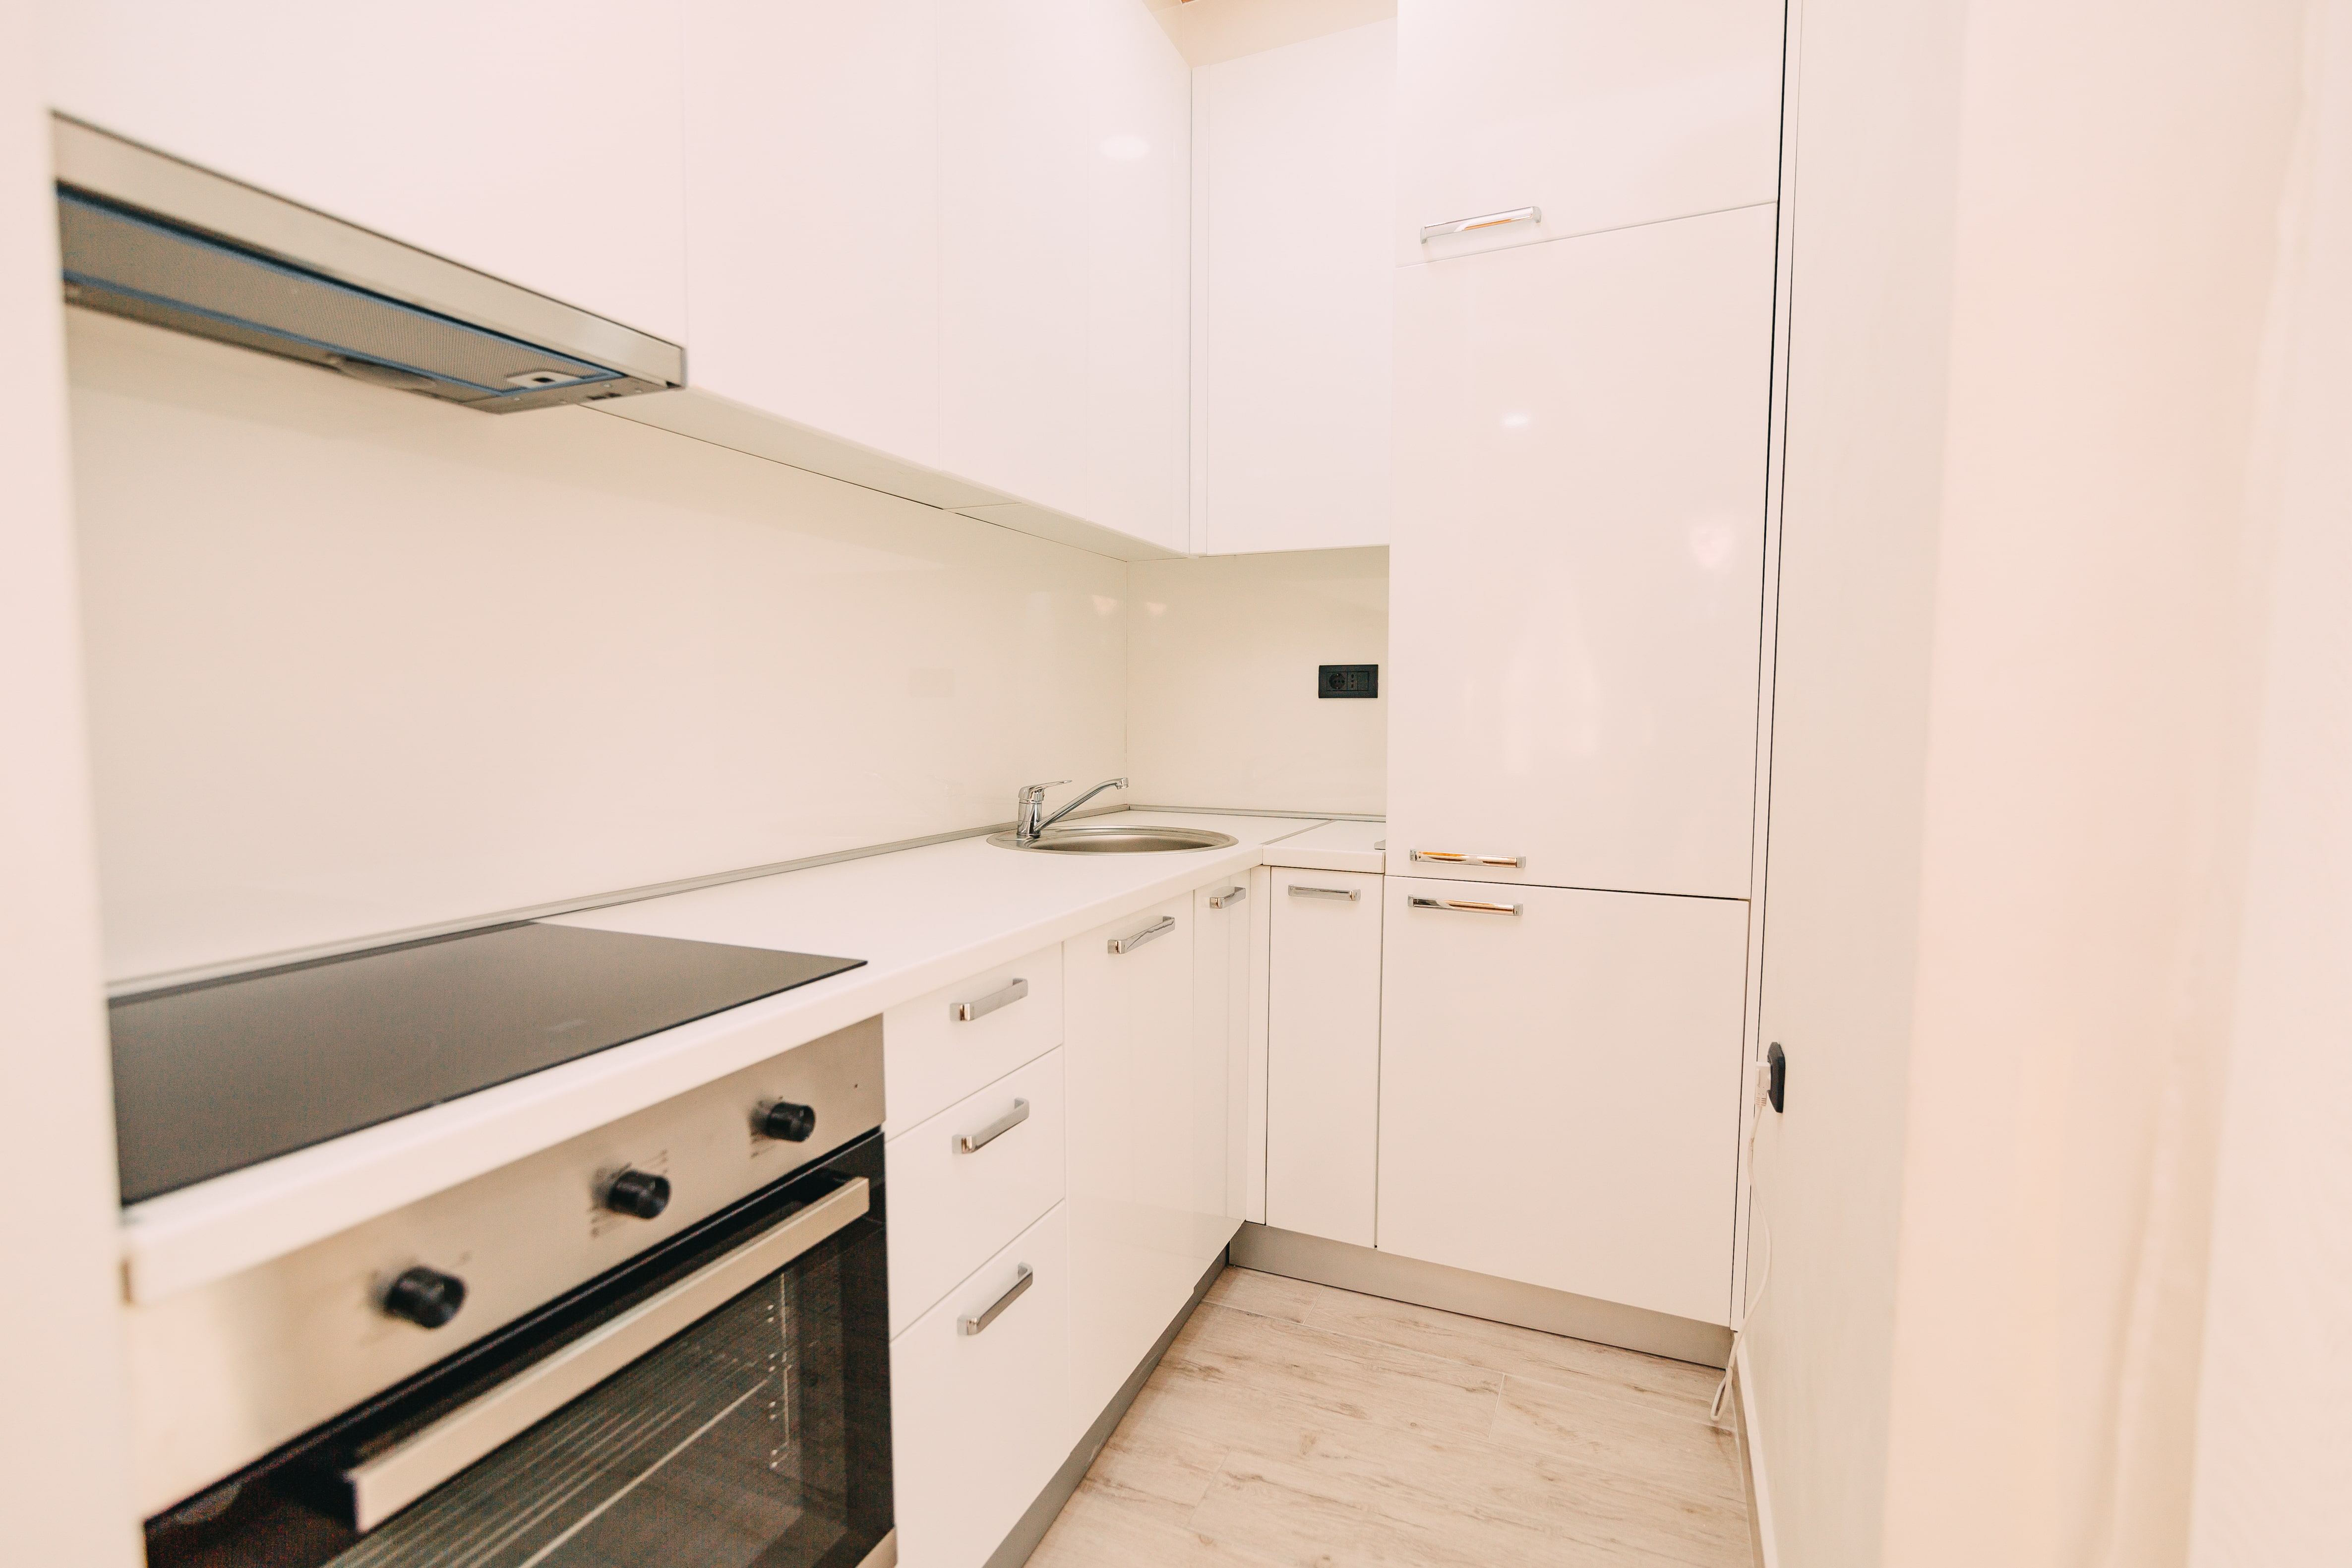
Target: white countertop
x=921, y=919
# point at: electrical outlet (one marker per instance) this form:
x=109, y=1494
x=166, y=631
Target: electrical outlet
x=1348, y=680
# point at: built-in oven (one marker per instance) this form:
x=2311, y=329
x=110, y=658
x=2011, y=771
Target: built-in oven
x=719, y=1400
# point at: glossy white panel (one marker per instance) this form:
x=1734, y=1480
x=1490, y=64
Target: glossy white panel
x=1575, y=675
x=1294, y=170
x=1222, y=704
x=812, y=193
x=934, y=1058
x=979, y=1423
x=359, y=661
x=950, y=1206
x=537, y=140
x=1323, y=1054
x=1147, y=1156
x=1223, y=983
x=1559, y=1089
x=1599, y=115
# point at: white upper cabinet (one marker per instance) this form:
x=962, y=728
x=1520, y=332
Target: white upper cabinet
x=812, y=225
x=1063, y=203
x=1294, y=177
x=1598, y=115
x=538, y=140
x=1576, y=578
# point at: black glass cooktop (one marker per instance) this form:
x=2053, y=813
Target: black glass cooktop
x=221, y=1074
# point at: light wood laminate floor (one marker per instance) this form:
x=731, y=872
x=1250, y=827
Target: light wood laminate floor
x=1294, y=1424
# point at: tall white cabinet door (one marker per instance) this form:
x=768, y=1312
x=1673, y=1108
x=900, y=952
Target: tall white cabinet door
x=1293, y=173
x=536, y=140
x=1597, y=114
x=1063, y=195
x=1323, y=1054
x=813, y=219
x=1576, y=575
x=1559, y=1089
x=1129, y=1049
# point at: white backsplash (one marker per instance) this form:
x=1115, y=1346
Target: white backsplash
x=1222, y=704
x=359, y=662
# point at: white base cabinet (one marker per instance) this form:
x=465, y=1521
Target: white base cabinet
x=1323, y=1054
x=1560, y=1088
x=979, y=1421
x=1575, y=675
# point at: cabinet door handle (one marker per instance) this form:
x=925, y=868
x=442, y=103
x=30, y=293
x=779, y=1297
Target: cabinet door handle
x=1452, y=858
x=965, y=1012
x=1129, y=943
x=1489, y=220
x=973, y=1142
x=1230, y=896
x=1351, y=894
x=969, y=1326
x=1467, y=906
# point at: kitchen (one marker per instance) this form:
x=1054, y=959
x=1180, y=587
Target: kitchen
x=1612, y=720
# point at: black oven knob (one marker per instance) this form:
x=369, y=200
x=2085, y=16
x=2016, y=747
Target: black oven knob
x=426, y=1297
x=638, y=1194
x=790, y=1122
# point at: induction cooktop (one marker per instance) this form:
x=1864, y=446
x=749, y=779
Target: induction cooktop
x=214, y=1076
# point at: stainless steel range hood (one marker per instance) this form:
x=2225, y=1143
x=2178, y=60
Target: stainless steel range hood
x=148, y=237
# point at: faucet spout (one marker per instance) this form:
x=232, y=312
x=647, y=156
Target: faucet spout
x=1029, y=824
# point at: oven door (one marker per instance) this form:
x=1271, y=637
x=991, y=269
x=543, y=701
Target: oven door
x=721, y=1401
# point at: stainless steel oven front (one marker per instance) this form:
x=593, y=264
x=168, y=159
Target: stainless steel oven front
x=719, y=1399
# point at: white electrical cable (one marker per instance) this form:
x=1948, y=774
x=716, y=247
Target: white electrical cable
x=1764, y=1279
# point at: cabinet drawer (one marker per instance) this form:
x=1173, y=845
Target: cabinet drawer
x=952, y=1205
x=980, y=1422
x=932, y=1057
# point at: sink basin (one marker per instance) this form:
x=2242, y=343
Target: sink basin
x=1118, y=840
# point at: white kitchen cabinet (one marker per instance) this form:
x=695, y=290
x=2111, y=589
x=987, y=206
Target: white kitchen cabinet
x=538, y=140
x=1148, y=1106
x=979, y=1420
x=813, y=213
x=969, y=1177
x=1597, y=115
x=1559, y=1089
x=946, y=1044
x=1294, y=193
x=1063, y=209
x=1576, y=575
x=1323, y=1054
x=1224, y=989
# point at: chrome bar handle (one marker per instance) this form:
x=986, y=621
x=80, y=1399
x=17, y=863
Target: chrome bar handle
x=1451, y=858
x=1230, y=896
x=981, y=1007
x=1119, y=945
x=973, y=1142
x=1467, y=906
x=969, y=1326
x=1487, y=220
x=1351, y=894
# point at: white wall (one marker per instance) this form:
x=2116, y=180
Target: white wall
x=2274, y=1451
x=1221, y=659
x=360, y=661
x=64, y=1497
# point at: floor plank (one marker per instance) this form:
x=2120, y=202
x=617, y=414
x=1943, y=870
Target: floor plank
x=1292, y=1424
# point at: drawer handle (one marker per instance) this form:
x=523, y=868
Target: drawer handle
x=1467, y=906
x=1165, y=924
x=969, y=1326
x=1351, y=894
x=1230, y=896
x=965, y=1012
x=1451, y=859
x=973, y=1142
x=1490, y=220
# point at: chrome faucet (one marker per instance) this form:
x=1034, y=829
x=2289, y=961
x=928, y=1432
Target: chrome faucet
x=1029, y=826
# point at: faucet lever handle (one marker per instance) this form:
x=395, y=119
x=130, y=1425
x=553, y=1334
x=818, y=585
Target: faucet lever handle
x=1040, y=789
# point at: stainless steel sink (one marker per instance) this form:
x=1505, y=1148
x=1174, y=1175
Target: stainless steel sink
x=1137, y=841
